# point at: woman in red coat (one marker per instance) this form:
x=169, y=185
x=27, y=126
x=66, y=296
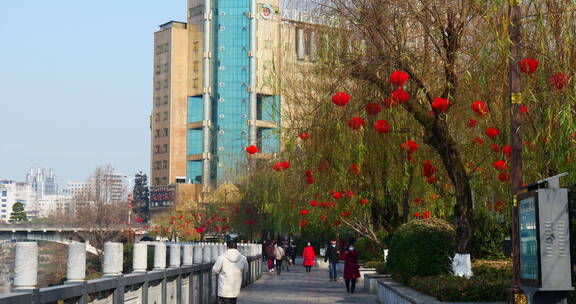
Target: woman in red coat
x=351, y=268
x=308, y=256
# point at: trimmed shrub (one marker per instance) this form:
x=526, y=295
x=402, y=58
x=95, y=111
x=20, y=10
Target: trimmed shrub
x=367, y=250
x=378, y=265
x=488, y=236
x=421, y=248
x=489, y=283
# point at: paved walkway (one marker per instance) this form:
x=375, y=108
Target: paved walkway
x=299, y=287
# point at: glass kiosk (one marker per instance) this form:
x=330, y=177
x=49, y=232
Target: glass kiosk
x=545, y=261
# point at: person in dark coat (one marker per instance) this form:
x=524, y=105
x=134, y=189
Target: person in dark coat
x=270, y=253
x=351, y=268
x=332, y=256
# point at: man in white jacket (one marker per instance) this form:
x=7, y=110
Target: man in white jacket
x=230, y=266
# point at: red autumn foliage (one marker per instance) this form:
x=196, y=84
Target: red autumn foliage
x=363, y=201
x=507, y=151
x=324, y=204
x=492, y=132
x=251, y=149
x=471, y=123
x=373, y=108
x=398, y=78
x=400, y=96
x=495, y=148
x=309, y=180
x=381, y=126
x=431, y=179
x=303, y=212
x=348, y=193
x=479, y=108
x=340, y=99
x=418, y=200
x=417, y=214
x=523, y=110
x=409, y=146
x=426, y=214
x=528, y=65
x=559, y=80
x=440, y=104
x=356, y=123
x=303, y=223
x=313, y=203
x=478, y=141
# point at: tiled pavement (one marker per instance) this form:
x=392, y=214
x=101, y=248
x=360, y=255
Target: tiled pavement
x=299, y=287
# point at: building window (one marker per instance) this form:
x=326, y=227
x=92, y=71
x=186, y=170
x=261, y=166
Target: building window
x=157, y=117
x=165, y=164
x=157, y=149
x=195, y=83
x=165, y=180
x=4, y=193
x=166, y=99
x=165, y=132
x=196, y=46
x=166, y=83
x=166, y=47
x=165, y=148
x=196, y=66
x=157, y=133
x=157, y=180
x=166, y=68
x=158, y=71
x=165, y=116
x=157, y=85
x=158, y=101
x=157, y=165
x=3, y=205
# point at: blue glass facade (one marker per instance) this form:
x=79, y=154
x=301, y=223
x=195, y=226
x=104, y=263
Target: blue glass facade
x=230, y=98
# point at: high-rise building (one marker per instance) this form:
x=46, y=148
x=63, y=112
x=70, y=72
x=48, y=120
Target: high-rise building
x=44, y=183
x=12, y=192
x=111, y=187
x=215, y=87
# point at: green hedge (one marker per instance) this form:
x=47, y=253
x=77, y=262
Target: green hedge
x=488, y=236
x=421, y=248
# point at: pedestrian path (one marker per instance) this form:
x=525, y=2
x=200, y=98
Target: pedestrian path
x=300, y=287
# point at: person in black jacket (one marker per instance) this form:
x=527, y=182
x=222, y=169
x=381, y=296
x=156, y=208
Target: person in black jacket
x=333, y=257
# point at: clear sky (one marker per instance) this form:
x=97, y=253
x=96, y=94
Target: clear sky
x=76, y=84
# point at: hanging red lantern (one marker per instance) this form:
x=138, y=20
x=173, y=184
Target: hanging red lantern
x=528, y=65
x=340, y=99
x=492, y=132
x=373, y=108
x=381, y=126
x=251, y=149
x=398, y=78
x=356, y=123
x=139, y=220
x=440, y=104
x=559, y=81
x=479, y=108
x=400, y=96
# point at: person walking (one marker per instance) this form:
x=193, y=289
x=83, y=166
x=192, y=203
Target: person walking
x=279, y=254
x=308, y=256
x=270, y=255
x=333, y=257
x=351, y=268
x=292, y=252
x=230, y=267
x=286, y=259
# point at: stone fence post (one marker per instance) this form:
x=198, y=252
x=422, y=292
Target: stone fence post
x=76, y=265
x=140, y=260
x=26, y=266
x=188, y=257
x=175, y=255
x=159, y=256
x=113, y=259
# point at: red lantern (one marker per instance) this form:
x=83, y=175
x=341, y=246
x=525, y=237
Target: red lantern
x=492, y=132
x=251, y=149
x=340, y=99
x=500, y=165
x=479, y=107
x=428, y=169
x=400, y=96
x=381, y=126
x=409, y=146
x=559, y=81
x=336, y=195
x=373, y=108
x=528, y=65
x=356, y=123
x=304, y=136
x=363, y=201
x=398, y=78
x=440, y=104
x=471, y=123
x=139, y=220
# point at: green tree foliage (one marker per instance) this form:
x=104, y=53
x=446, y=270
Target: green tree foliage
x=141, y=195
x=18, y=214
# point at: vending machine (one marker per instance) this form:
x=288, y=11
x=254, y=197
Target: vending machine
x=545, y=255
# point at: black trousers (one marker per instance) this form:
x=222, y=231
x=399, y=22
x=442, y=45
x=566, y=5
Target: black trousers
x=278, y=266
x=308, y=268
x=350, y=285
x=227, y=300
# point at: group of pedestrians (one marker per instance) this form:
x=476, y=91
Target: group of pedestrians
x=231, y=265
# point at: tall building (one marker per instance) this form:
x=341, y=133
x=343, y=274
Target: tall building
x=112, y=187
x=12, y=192
x=215, y=79
x=44, y=183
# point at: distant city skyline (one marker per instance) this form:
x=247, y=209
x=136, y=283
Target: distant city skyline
x=77, y=84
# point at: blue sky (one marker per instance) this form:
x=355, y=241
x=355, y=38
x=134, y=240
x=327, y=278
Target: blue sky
x=75, y=84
